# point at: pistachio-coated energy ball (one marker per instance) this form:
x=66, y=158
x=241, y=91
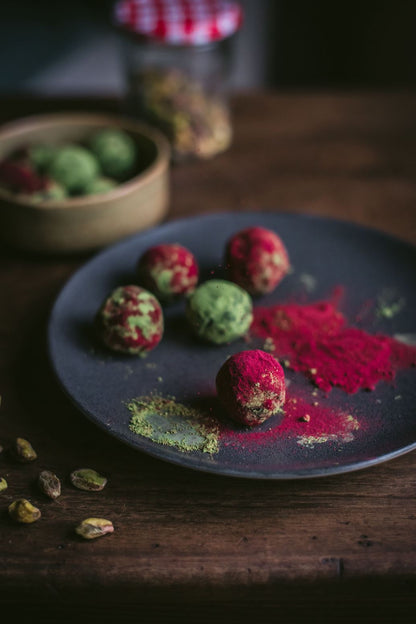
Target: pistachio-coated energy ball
x=116, y=152
x=168, y=270
x=251, y=387
x=52, y=192
x=74, y=167
x=256, y=260
x=219, y=311
x=99, y=185
x=40, y=156
x=130, y=321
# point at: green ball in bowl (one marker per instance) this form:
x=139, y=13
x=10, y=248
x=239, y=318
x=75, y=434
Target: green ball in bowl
x=74, y=167
x=41, y=156
x=116, y=152
x=53, y=192
x=100, y=185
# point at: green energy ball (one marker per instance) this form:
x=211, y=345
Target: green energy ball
x=40, y=156
x=130, y=321
x=219, y=311
x=100, y=185
x=52, y=192
x=115, y=151
x=74, y=167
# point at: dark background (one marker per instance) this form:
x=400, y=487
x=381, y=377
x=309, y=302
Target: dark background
x=70, y=47
x=343, y=44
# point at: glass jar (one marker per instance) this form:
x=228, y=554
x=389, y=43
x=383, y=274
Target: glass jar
x=178, y=69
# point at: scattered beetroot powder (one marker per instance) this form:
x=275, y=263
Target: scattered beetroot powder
x=168, y=270
x=256, y=260
x=315, y=340
x=251, y=386
x=316, y=423
x=308, y=424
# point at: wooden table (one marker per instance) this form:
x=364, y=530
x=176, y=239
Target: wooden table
x=190, y=546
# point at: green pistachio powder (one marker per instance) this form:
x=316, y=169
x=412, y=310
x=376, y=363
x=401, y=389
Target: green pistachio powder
x=165, y=421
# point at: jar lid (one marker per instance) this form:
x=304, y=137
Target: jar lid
x=180, y=22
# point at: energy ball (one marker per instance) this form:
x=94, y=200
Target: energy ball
x=74, y=167
x=219, y=311
x=52, y=192
x=40, y=156
x=99, y=185
x=115, y=151
x=130, y=321
x=19, y=177
x=251, y=387
x=256, y=260
x=168, y=270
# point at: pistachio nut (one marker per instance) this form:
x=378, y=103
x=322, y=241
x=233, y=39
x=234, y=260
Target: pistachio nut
x=21, y=510
x=94, y=527
x=88, y=479
x=24, y=451
x=3, y=484
x=49, y=484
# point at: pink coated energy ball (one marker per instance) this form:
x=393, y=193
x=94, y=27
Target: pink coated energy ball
x=130, y=321
x=256, y=260
x=19, y=177
x=251, y=387
x=168, y=270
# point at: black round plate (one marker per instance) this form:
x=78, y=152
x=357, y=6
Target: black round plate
x=324, y=254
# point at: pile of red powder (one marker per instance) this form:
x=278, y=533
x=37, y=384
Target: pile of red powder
x=315, y=340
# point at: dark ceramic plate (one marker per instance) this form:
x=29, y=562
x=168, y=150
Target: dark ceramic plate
x=378, y=275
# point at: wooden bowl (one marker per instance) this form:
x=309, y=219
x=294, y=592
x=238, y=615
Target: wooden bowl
x=93, y=221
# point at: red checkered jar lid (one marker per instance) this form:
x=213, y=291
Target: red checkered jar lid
x=180, y=22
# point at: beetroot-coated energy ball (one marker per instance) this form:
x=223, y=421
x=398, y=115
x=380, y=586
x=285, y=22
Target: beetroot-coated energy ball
x=251, y=386
x=130, y=321
x=168, y=270
x=256, y=260
x=19, y=177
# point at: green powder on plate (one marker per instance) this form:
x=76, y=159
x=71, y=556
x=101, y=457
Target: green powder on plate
x=165, y=421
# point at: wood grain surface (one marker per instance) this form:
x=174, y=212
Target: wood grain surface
x=189, y=546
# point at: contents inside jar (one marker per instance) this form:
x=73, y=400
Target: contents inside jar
x=196, y=121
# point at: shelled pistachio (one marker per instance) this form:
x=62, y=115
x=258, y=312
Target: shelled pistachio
x=24, y=451
x=88, y=479
x=49, y=484
x=21, y=510
x=92, y=528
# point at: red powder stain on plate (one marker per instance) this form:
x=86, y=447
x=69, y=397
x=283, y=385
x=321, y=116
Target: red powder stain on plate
x=308, y=423
x=315, y=340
